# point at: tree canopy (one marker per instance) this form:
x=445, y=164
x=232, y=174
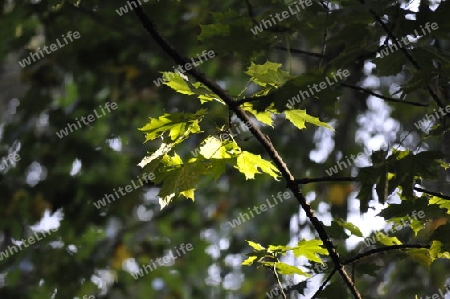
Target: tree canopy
x=235, y=149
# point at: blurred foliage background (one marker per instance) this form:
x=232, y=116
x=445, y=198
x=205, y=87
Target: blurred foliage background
x=57, y=180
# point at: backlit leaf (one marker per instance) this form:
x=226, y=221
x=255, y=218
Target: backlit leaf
x=310, y=249
x=249, y=164
x=299, y=117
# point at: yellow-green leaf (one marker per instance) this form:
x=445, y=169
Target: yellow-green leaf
x=249, y=261
x=310, y=249
x=286, y=269
x=213, y=148
x=179, y=125
x=278, y=248
x=249, y=164
x=177, y=82
x=420, y=255
x=443, y=203
x=388, y=240
x=256, y=246
x=437, y=251
x=264, y=117
x=163, y=150
x=299, y=117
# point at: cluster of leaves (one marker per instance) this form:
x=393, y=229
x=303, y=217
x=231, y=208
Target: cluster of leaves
x=180, y=177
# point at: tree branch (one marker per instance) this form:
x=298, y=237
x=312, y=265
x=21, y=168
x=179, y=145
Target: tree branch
x=383, y=249
x=297, y=51
x=383, y=97
x=149, y=25
x=322, y=286
x=304, y=181
x=432, y=193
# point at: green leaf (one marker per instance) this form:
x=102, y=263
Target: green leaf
x=248, y=164
x=180, y=178
x=249, y=261
x=286, y=269
x=164, y=149
x=443, y=203
x=310, y=249
x=264, y=117
x=256, y=246
x=213, y=30
x=177, y=82
x=299, y=117
x=179, y=125
x=388, y=240
x=278, y=249
x=214, y=148
x=268, y=73
x=350, y=226
x=437, y=251
x=420, y=255
x=180, y=83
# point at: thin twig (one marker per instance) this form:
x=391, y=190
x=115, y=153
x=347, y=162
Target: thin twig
x=325, y=32
x=432, y=193
x=383, y=249
x=304, y=181
x=322, y=286
x=297, y=51
x=251, y=14
x=383, y=97
x=248, y=100
x=279, y=282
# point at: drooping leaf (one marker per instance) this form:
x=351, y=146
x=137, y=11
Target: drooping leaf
x=249, y=261
x=386, y=240
x=350, y=226
x=256, y=246
x=251, y=164
x=299, y=117
x=286, y=269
